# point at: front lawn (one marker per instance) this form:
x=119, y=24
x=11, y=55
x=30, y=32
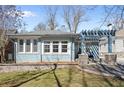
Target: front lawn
x=63, y=77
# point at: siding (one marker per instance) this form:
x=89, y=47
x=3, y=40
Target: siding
x=119, y=45
x=41, y=57
x=56, y=57
x=28, y=58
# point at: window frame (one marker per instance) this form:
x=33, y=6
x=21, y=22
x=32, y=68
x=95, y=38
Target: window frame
x=48, y=45
x=55, y=45
x=64, y=48
x=30, y=45
x=59, y=47
x=23, y=46
x=33, y=46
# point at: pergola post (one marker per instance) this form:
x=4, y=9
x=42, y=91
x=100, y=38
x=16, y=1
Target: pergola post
x=109, y=43
x=110, y=57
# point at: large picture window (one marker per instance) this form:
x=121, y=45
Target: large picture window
x=21, y=44
x=35, y=45
x=55, y=46
x=28, y=45
x=64, y=46
x=46, y=46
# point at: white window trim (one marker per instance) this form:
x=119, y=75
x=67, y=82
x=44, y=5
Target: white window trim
x=18, y=46
x=32, y=46
x=60, y=47
x=68, y=48
x=43, y=47
x=24, y=47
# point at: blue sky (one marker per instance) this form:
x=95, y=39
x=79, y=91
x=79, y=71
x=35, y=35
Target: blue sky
x=37, y=13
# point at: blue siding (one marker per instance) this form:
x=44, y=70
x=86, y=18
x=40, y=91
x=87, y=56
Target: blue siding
x=28, y=58
x=39, y=57
x=56, y=57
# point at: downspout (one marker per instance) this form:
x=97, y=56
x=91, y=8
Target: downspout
x=40, y=49
x=71, y=46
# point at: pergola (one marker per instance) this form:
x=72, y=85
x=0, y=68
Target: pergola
x=90, y=40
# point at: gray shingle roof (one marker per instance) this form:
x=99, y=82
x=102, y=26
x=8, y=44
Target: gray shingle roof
x=43, y=33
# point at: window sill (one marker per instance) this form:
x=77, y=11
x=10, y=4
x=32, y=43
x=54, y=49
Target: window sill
x=56, y=53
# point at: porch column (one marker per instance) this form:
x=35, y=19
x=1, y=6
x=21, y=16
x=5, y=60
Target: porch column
x=82, y=48
x=109, y=43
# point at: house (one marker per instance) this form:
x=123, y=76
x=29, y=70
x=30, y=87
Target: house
x=44, y=46
x=117, y=44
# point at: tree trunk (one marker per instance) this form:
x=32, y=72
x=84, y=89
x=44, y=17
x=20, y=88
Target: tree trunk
x=3, y=55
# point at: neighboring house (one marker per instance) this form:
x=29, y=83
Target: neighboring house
x=117, y=44
x=44, y=46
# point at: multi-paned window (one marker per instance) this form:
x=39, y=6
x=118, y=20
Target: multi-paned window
x=35, y=45
x=64, y=48
x=55, y=46
x=46, y=46
x=21, y=43
x=28, y=45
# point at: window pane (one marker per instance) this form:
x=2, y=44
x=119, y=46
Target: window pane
x=55, y=42
x=64, y=46
x=46, y=42
x=34, y=42
x=64, y=42
x=34, y=45
x=28, y=45
x=28, y=42
x=21, y=45
x=64, y=50
x=55, y=48
x=46, y=48
x=21, y=42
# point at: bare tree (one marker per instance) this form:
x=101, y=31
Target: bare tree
x=10, y=20
x=51, y=17
x=40, y=27
x=115, y=15
x=73, y=16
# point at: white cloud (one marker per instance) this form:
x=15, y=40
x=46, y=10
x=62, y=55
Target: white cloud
x=28, y=14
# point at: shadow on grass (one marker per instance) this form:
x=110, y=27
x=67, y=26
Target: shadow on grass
x=69, y=77
x=19, y=84
x=104, y=77
x=56, y=78
x=84, y=82
x=112, y=71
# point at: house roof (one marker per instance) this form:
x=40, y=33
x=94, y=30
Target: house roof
x=42, y=33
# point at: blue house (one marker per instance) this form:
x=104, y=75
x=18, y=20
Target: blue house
x=44, y=46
